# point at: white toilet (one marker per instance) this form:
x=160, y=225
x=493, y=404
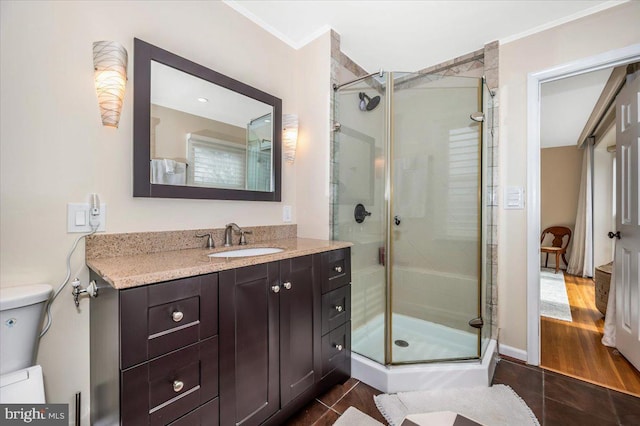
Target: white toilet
x=21, y=311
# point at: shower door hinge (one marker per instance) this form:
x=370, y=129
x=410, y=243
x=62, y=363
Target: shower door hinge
x=476, y=322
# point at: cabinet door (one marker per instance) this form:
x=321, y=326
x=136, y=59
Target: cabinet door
x=300, y=320
x=249, y=344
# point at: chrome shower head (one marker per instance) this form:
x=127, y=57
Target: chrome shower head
x=367, y=103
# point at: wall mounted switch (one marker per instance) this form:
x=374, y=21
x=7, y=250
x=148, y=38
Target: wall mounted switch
x=81, y=218
x=78, y=219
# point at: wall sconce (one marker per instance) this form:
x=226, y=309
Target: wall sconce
x=289, y=136
x=110, y=73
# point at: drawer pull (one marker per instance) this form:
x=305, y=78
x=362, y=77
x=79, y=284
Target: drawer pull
x=177, y=316
x=339, y=308
x=287, y=285
x=177, y=385
x=275, y=288
x=338, y=269
x=338, y=347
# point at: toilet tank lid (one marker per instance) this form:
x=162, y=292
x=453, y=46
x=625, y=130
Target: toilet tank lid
x=24, y=295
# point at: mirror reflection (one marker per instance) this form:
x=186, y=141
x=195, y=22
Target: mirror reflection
x=205, y=135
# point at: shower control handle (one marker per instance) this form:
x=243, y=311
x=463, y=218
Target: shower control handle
x=338, y=347
x=339, y=308
x=397, y=220
x=177, y=316
x=360, y=213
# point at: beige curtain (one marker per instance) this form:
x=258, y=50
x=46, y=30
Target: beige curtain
x=581, y=261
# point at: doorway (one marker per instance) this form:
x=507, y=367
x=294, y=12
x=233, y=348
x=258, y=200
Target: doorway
x=574, y=285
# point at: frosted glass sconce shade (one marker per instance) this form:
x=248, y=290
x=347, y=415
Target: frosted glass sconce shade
x=110, y=73
x=289, y=136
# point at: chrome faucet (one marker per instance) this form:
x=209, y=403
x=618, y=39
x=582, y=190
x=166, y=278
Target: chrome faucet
x=229, y=230
x=210, y=243
x=227, y=233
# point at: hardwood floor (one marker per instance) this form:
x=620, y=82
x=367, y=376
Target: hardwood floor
x=574, y=348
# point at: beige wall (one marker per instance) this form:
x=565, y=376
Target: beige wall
x=313, y=86
x=54, y=149
x=610, y=29
x=560, y=170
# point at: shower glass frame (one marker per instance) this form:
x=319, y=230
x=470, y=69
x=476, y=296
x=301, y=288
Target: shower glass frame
x=483, y=298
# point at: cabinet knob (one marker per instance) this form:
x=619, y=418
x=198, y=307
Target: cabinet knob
x=338, y=347
x=177, y=316
x=338, y=269
x=275, y=288
x=177, y=385
x=339, y=308
x=287, y=285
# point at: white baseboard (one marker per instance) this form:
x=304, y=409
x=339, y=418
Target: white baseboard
x=512, y=352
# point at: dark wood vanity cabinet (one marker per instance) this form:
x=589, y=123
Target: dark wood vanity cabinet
x=154, y=352
x=285, y=342
x=245, y=346
x=270, y=322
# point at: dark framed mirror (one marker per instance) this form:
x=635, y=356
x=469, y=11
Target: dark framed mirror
x=200, y=134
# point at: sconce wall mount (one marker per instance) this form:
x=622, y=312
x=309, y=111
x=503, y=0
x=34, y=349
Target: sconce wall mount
x=110, y=72
x=289, y=136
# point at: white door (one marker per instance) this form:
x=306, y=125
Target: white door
x=627, y=270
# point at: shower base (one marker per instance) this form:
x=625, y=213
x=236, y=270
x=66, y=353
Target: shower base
x=425, y=340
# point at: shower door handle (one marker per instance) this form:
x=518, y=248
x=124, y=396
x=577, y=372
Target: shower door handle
x=397, y=220
x=476, y=322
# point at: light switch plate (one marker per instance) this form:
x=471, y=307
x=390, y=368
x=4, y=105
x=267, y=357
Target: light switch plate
x=76, y=212
x=513, y=198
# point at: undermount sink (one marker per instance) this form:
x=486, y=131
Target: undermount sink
x=254, y=251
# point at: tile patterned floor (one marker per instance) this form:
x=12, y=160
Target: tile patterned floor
x=326, y=409
x=564, y=401
x=556, y=400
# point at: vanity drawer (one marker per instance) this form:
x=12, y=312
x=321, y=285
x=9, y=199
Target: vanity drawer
x=336, y=308
x=206, y=415
x=336, y=347
x=159, y=318
x=180, y=313
x=335, y=269
x=162, y=390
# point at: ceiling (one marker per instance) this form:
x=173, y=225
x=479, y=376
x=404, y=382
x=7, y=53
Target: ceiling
x=565, y=107
x=412, y=35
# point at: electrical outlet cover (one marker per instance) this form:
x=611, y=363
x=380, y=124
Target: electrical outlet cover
x=286, y=214
x=77, y=210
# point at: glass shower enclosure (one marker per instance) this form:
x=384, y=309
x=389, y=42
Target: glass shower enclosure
x=409, y=181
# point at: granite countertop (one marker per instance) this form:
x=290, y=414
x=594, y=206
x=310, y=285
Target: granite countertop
x=135, y=270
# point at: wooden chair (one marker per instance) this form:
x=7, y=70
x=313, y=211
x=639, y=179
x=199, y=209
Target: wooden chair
x=557, y=247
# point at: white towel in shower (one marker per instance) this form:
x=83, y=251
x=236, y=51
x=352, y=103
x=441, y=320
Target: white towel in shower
x=159, y=174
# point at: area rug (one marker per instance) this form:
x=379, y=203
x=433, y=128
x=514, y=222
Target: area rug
x=355, y=417
x=554, y=302
x=497, y=405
